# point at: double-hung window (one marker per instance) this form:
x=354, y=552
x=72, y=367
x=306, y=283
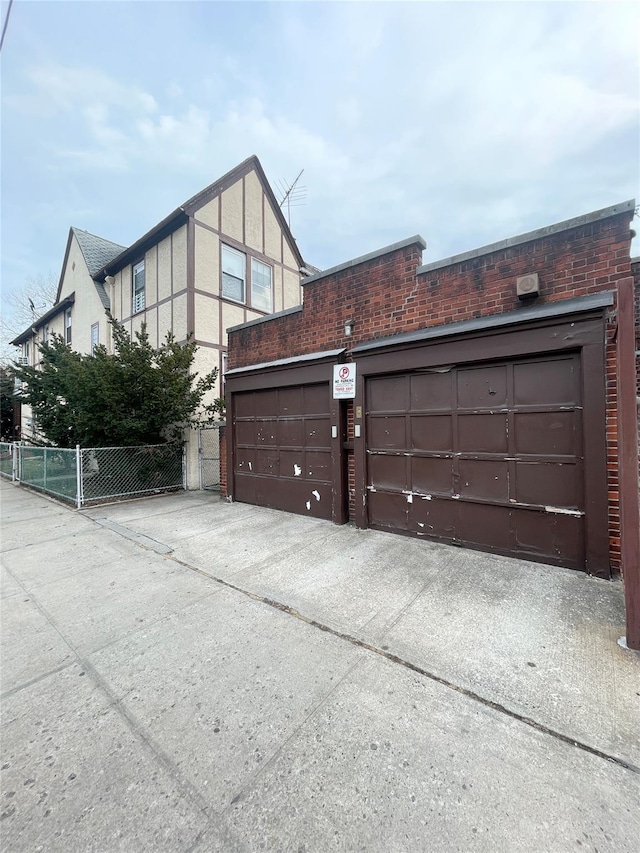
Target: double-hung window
x=138, y=288
x=67, y=326
x=260, y=286
x=95, y=337
x=236, y=270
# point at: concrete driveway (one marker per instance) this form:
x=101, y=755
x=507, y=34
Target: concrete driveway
x=184, y=674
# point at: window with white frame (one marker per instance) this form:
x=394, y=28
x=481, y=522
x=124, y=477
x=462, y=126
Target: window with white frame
x=95, y=337
x=138, y=287
x=260, y=286
x=45, y=335
x=67, y=326
x=236, y=270
x=223, y=371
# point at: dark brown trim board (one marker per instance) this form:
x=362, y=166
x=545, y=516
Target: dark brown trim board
x=628, y=461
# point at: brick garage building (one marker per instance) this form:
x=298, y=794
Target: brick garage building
x=483, y=417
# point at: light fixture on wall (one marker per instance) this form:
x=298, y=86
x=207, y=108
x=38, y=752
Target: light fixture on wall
x=348, y=327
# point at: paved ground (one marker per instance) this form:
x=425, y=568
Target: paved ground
x=184, y=674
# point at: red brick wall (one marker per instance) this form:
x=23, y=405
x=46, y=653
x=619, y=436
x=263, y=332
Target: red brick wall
x=384, y=296
x=635, y=269
x=372, y=294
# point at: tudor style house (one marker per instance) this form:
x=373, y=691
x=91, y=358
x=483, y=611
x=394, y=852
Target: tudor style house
x=226, y=256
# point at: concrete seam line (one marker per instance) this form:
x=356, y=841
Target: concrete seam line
x=319, y=704
x=470, y=694
x=113, y=702
x=13, y=690
x=137, y=730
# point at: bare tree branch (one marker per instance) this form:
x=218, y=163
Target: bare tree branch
x=21, y=307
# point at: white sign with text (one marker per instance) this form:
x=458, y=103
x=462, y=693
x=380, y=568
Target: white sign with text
x=344, y=381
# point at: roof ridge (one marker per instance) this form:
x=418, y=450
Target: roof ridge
x=75, y=230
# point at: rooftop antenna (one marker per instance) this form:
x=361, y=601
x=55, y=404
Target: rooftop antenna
x=292, y=195
x=33, y=308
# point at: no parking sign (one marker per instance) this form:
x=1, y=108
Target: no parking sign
x=344, y=381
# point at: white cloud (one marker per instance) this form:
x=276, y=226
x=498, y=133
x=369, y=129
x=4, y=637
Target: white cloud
x=467, y=122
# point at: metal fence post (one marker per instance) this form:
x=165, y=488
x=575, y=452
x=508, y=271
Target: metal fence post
x=79, y=496
x=184, y=466
x=44, y=467
x=14, y=462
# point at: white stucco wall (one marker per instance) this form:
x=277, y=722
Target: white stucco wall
x=87, y=308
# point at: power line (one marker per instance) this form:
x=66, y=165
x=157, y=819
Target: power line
x=6, y=21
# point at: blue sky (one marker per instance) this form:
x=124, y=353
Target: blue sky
x=465, y=122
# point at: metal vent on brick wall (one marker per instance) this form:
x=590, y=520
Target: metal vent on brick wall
x=527, y=285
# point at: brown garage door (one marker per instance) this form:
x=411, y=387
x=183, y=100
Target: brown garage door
x=282, y=449
x=487, y=455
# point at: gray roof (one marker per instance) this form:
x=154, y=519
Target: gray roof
x=102, y=293
x=97, y=251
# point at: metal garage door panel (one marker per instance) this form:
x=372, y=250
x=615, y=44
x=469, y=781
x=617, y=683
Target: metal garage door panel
x=317, y=465
x=543, y=483
x=431, y=432
x=390, y=510
x=432, y=474
x=485, y=433
x=388, y=472
x=545, y=433
x=244, y=405
x=485, y=525
x=266, y=462
x=290, y=433
x=290, y=403
x=484, y=479
x=245, y=459
x=246, y=433
x=482, y=387
x=387, y=432
x=388, y=394
x=317, y=432
x=433, y=517
x=430, y=391
x=266, y=433
x=551, y=382
x=266, y=403
x=291, y=463
x=557, y=538
x=299, y=496
x=316, y=400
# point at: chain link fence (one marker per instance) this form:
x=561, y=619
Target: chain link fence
x=94, y=474
x=8, y=457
